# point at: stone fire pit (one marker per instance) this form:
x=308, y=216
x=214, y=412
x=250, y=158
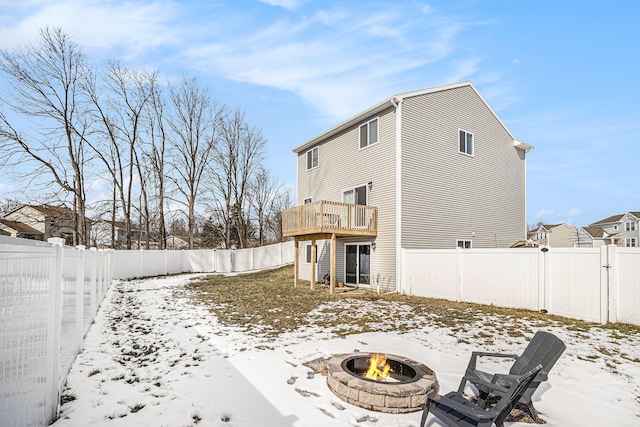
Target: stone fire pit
x=405, y=392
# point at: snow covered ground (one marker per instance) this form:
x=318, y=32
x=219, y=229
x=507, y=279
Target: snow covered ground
x=152, y=358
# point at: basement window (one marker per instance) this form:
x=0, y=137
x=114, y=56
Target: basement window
x=463, y=244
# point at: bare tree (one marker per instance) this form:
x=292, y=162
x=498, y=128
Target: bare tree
x=236, y=159
x=263, y=190
x=9, y=205
x=283, y=200
x=44, y=79
x=155, y=154
x=194, y=124
x=118, y=118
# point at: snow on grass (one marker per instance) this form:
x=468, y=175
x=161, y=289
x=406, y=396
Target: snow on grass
x=154, y=358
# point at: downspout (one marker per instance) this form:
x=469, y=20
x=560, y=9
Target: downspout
x=397, y=103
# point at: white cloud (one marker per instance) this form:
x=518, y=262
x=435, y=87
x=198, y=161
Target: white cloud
x=132, y=27
x=285, y=4
x=338, y=62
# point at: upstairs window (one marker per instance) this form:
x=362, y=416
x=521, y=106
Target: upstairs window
x=369, y=133
x=312, y=158
x=630, y=226
x=465, y=142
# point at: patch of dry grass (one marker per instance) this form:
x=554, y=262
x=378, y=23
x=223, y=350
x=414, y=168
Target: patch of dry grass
x=268, y=303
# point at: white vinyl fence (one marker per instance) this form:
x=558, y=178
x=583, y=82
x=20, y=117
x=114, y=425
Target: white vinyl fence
x=141, y=263
x=593, y=284
x=49, y=296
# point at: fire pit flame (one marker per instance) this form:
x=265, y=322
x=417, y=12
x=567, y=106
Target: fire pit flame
x=379, y=369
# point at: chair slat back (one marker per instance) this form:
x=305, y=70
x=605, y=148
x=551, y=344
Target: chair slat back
x=517, y=389
x=544, y=349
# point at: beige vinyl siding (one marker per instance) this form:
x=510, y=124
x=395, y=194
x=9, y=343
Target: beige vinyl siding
x=447, y=195
x=342, y=165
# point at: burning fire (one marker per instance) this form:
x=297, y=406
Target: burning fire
x=379, y=368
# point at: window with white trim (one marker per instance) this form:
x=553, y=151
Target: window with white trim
x=308, y=254
x=369, y=133
x=463, y=244
x=465, y=142
x=307, y=200
x=312, y=158
x=630, y=226
x=630, y=243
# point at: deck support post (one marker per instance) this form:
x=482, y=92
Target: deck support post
x=332, y=287
x=313, y=263
x=296, y=253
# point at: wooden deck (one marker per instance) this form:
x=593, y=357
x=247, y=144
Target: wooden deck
x=330, y=218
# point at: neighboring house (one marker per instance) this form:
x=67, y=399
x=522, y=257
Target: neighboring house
x=18, y=229
x=624, y=229
x=101, y=236
x=181, y=242
x=47, y=220
x=596, y=236
x=559, y=236
x=434, y=168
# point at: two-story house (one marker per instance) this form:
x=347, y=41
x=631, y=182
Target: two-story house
x=595, y=237
x=102, y=231
x=559, y=236
x=624, y=228
x=434, y=168
x=42, y=222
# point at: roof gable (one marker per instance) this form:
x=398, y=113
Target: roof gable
x=617, y=218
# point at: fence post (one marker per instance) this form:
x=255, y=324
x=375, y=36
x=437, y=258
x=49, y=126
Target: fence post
x=80, y=272
x=459, y=278
x=55, y=297
x=141, y=263
x=543, y=276
x=608, y=284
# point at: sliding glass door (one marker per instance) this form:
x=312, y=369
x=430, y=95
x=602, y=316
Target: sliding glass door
x=358, y=263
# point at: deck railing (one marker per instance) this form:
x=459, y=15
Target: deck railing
x=323, y=216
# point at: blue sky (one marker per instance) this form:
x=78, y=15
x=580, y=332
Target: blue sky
x=563, y=76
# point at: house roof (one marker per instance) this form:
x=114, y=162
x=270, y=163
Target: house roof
x=19, y=227
x=393, y=101
x=545, y=226
x=594, y=231
x=616, y=218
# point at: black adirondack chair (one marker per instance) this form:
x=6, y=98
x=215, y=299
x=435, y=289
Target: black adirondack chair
x=544, y=349
x=456, y=411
